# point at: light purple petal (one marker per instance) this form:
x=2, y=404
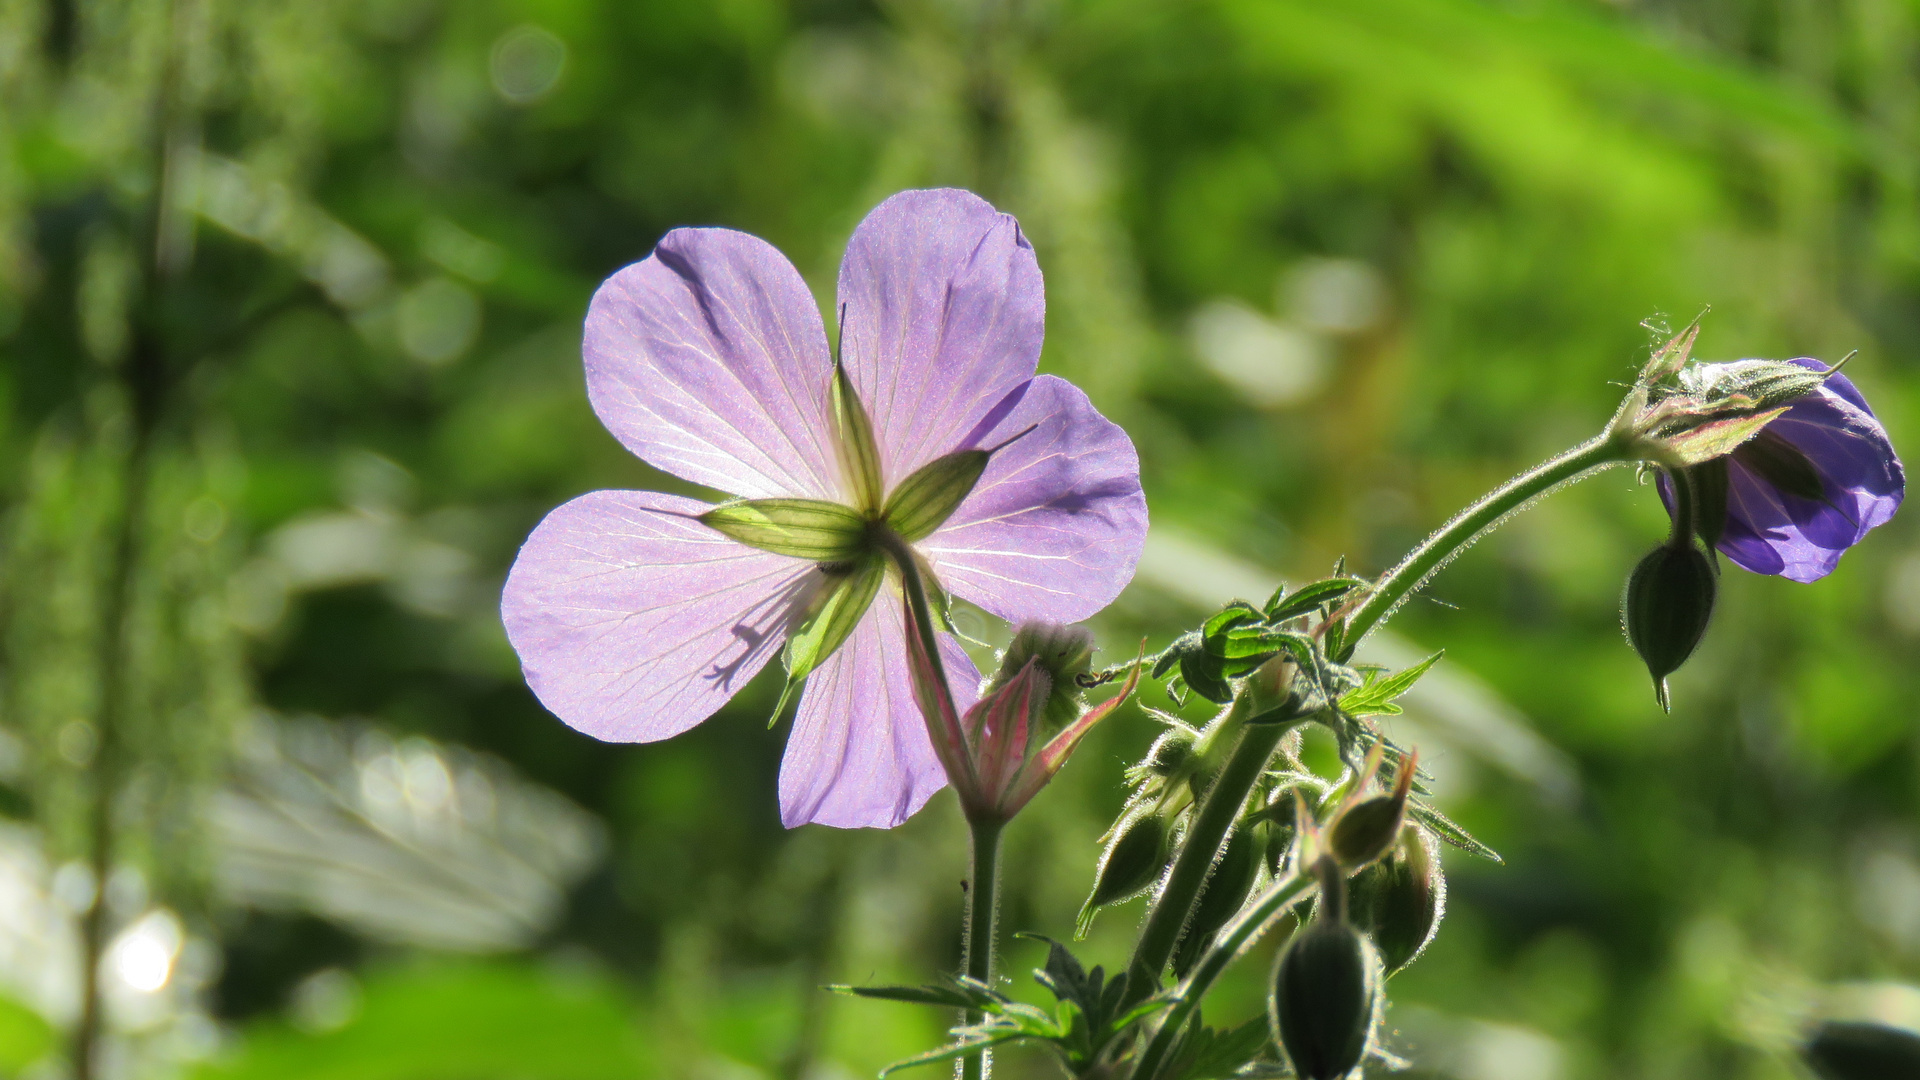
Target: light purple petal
x=634, y=622
x=708, y=360
x=945, y=312
x=859, y=755
x=1055, y=526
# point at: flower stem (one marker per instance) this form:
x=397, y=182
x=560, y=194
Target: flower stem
x=1470, y=524
x=1218, y=810
x=1233, y=937
x=983, y=900
x=983, y=886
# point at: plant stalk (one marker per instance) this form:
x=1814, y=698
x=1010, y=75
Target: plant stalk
x=1214, y=819
x=983, y=901
x=1233, y=937
x=1470, y=524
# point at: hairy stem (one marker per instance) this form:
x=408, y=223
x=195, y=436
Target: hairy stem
x=1233, y=937
x=1470, y=524
x=1214, y=818
x=983, y=899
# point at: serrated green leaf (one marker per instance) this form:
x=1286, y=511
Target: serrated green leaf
x=1227, y=618
x=1375, y=697
x=836, y=609
x=811, y=529
x=1202, y=675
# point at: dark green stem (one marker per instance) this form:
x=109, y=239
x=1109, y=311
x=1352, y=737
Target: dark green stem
x=1683, y=509
x=1466, y=527
x=1227, y=944
x=983, y=901
x=1218, y=810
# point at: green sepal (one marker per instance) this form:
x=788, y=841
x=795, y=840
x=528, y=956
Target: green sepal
x=810, y=529
x=1716, y=437
x=924, y=501
x=831, y=617
x=859, y=454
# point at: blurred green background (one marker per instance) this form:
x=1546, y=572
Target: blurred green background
x=290, y=298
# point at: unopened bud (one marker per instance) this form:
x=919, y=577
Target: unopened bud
x=1132, y=862
x=1326, y=999
x=1666, y=608
x=1221, y=897
x=1171, y=751
x=1366, y=829
x=1061, y=653
x=1398, y=900
x=1862, y=1050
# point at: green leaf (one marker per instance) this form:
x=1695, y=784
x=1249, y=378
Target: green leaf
x=836, y=609
x=858, y=453
x=1445, y=829
x=948, y=1053
x=1376, y=696
x=1287, y=605
x=943, y=996
x=810, y=529
x=924, y=501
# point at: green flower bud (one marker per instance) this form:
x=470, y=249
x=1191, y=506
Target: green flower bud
x=1131, y=864
x=1062, y=653
x=1220, y=899
x=1862, y=1050
x=1326, y=999
x=1398, y=901
x=1171, y=751
x=1666, y=608
x=1364, y=830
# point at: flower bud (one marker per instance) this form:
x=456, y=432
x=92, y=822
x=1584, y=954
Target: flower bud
x=1132, y=862
x=1666, y=607
x=1326, y=999
x=1059, y=652
x=1398, y=901
x=1220, y=899
x=1862, y=1050
x=1364, y=830
x=1171, y=751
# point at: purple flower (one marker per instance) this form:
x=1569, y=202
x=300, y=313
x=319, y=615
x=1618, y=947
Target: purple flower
x=635, y=621
x=1809, y=486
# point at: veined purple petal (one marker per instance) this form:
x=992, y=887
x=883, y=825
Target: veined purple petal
x=945, y=313
x=1771, y=532
x=859, y=755
x=709, y=361
x=1054, y=528
x=635, y=622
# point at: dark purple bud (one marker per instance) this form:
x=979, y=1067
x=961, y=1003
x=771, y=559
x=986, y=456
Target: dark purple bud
x=1862, y=1050
x=1666, y=608
x=1326, y=999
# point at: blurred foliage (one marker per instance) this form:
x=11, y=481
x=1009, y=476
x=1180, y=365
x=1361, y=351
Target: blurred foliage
x=1338, y=268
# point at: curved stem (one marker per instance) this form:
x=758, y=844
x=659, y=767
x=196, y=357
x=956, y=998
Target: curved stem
x=1457, y=535
x=982, y=905
x=1232, y=938
x=1214, y=818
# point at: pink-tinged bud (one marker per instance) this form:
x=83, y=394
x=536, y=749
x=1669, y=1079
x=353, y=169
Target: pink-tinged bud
x=998, y=756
